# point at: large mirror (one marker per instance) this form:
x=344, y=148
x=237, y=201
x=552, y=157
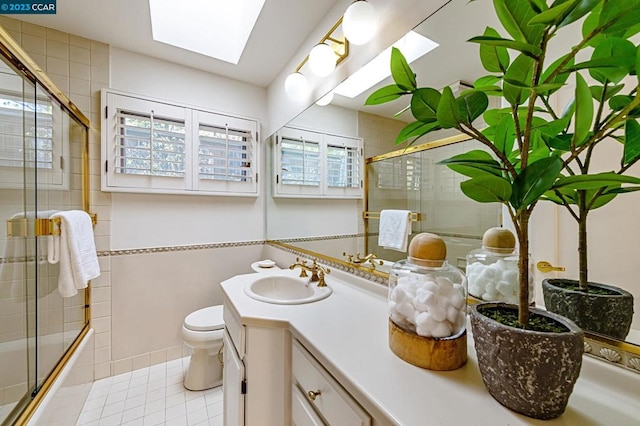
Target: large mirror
x=409, y=179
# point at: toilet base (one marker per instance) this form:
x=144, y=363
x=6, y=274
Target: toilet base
x=204, y=372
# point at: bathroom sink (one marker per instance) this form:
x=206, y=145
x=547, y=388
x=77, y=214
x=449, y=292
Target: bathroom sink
x=285, y=289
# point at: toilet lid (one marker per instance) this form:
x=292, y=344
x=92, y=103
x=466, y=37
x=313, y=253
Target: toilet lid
x=206, y=319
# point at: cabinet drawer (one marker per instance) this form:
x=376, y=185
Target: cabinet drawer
x=331, y=400
x=235, y=329
x=302, y=413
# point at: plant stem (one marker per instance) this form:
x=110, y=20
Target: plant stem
x=582, y=239
x=523, y=266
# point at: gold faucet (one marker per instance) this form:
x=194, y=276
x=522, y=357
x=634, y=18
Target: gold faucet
x=317, y=271
x=357, y=260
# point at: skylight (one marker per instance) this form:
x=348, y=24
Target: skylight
x=219, y=29
x=412, y=46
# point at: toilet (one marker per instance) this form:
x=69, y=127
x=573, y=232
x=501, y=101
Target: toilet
x=202, y=331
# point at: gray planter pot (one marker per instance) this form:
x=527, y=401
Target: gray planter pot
x=610, y=315
x=529, y=372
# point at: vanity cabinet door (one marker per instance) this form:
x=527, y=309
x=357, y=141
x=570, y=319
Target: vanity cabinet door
x=233, y=383
x=323, y=392
x=302, y=413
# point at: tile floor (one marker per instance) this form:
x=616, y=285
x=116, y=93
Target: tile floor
x=151, y=396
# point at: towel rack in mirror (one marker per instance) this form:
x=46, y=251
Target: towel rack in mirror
x=415, y=217
x=42, y=226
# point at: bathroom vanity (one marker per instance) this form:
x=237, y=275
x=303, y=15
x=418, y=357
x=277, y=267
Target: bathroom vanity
x=329, y=362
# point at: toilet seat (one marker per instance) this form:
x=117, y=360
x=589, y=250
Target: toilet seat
x=206, y=319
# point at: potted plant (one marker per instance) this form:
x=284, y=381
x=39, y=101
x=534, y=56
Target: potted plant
x=529, y=359
x=598, y=307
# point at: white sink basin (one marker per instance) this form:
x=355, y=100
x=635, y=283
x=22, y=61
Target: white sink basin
x=285, y=289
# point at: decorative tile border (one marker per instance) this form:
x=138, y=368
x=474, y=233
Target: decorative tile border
x=621, y=354
x=329, y=237
x=150, y=250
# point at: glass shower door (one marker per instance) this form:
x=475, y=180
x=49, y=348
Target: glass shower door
x=17, y=278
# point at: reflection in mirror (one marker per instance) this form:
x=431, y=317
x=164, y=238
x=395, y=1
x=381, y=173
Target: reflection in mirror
x=329, y=227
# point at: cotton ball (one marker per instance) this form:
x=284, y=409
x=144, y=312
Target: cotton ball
x=422, y=300
x=512, y=299
x=452, y=314
x=400, y=295
x=444, y=286
x=510, y=276
x=406, y=309
x=489, y=296
x=490, y=274
x=424, y=324
x=457, y=300
x=442, y=329
x=460, y=323
x=504, y=288
x=475, y=289
x=437, y=310
x=491, y=287
x=398, y=318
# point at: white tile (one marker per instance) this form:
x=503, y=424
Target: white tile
x=138, y=381
x=154, y=406
x=175, y=412
x=214, y=409
x=109, y=410
x=116, y=397
x=196, y=403
x=117, y=387
x=124, y=377
x=156, y=395
x=135, y=401
x=92, y=404
x=136, y=422
x=133, y=413
x=137, y=390
x=215, y=396
x=175, y=388
x=154, y=419
x=175, y=400
x=98, y=392
x=198, y=416
x=113, y=420
x=216, y=421
x=89, y=416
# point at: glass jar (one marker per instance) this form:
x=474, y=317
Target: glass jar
x=427, y=296
x=492, y=271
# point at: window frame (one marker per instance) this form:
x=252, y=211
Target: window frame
x=191, y=183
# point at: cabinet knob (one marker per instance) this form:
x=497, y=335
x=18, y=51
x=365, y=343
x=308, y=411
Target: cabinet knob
x=313, y=394
x=544, y=266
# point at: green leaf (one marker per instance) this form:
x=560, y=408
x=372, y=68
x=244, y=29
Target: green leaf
x=631, y=142
x=424, y=104
x=471, y=105
x=618, y=16
x=416, y=130
x=474, y=170
x=552, y=128
x=401, y=71
x=620, y=54
x=594, y=181
x=638, y=63
x=595, y=201
x=448, y=113
x=581, y=9
x=561, y=142
x=514, y=15
x=597, y=92
x=494, y=116
x=541, y=88
x=385, y=94
x=493, y=58
x=534, y=180
x=584, y=111
x=590, y=25
x=487, y=80
x=520, y=70
x=487, y=189
x=560, y=78
x=526, y=48
x=599, y=64
x=505, y=135
x=475, y=156
x=551, y=16
x=620, y=102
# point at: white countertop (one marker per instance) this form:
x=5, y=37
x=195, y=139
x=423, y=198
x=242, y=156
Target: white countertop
x=348, y=333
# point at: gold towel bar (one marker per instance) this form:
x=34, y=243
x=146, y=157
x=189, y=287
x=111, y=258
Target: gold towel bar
x=42, y=226
x=415, y=217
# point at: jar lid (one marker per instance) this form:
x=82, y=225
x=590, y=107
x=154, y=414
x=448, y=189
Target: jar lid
x=428, y=250
x=499, y=240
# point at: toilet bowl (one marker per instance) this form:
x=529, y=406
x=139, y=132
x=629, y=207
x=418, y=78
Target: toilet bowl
x=202, y=331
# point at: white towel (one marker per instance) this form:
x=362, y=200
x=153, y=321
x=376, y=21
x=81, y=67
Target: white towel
x=75, y=249
x=395, y=228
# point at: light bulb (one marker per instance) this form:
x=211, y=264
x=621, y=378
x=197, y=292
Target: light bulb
x=322, y=60
x=359, y=23
x=296, y=85
x=325, y=100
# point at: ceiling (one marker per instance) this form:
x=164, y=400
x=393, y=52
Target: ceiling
x=279, y=32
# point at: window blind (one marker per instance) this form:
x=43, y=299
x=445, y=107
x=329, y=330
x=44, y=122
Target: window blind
x=343, y=167
x=225, y=154
x=300, y=162
x=27, y=140
x=149, y=145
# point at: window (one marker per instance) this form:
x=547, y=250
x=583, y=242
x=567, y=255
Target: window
x=313, y=164
x=153, y=146
x=27, y=131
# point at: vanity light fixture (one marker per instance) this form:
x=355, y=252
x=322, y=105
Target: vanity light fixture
x=333, y=48
x=325, y=100
x=360, y=22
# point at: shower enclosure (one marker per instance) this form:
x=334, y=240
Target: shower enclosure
x=43, y=169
